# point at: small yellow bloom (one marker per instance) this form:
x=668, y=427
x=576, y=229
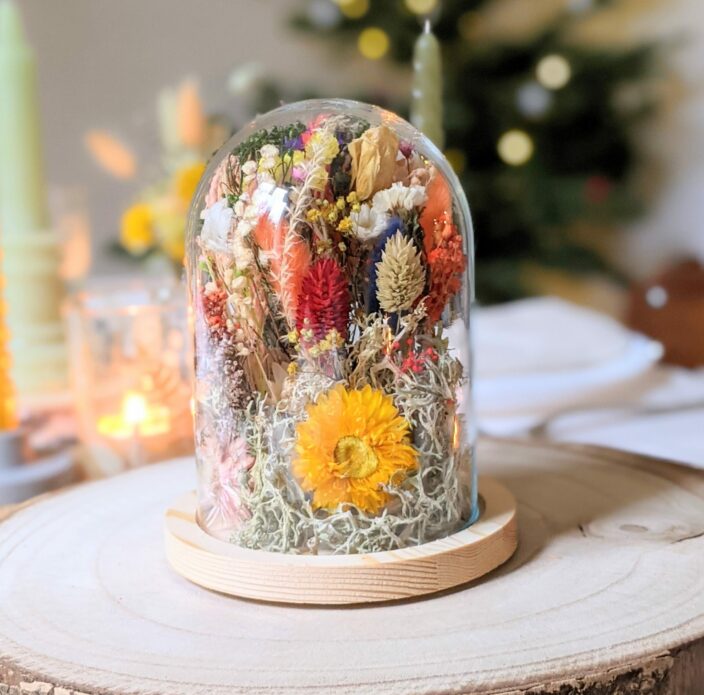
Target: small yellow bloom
x=345, y=225
x=186, y=181
x=323, y=246
x=340, y=203
x=292, y=337
x=323, y=147
x=292, y=368
x=313, y=215
x=332, y=215
x=334, y=338
x=137, y=229
x=342, y=246
x=352, y=198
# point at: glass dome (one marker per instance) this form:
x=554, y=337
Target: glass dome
x=330, y=272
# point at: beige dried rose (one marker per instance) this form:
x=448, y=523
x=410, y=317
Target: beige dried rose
x=373, y=160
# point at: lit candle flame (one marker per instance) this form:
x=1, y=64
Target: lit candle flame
x=134, y=408
x=136, y=418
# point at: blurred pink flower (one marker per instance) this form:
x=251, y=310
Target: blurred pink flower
x=219, y=182
x=223, y=495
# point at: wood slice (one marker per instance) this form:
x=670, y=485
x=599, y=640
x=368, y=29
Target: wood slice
x=604, y=595
x=339, y=579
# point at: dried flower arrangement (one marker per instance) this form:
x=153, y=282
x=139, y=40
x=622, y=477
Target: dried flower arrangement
x=327, y=277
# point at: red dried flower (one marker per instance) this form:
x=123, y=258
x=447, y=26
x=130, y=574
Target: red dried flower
x=324, y=301
x=214, y=312
x=447, y=261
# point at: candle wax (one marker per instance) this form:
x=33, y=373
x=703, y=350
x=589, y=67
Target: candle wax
x=22, y=188
x=426, y=96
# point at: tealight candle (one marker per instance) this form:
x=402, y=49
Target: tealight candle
x=137, y=417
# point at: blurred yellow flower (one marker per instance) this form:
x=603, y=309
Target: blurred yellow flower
x=137, y=229
x=186, y=181
x=170, y=227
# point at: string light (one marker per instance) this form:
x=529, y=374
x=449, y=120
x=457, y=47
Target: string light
x=421, y=6
x=533, y=100
x=353, y=9
x=373, y=43
x=457, y=159
x=323, y=14
x=553, y=71
x=515, y=147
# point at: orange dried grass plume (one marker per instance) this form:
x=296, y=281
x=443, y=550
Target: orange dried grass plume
x=288, y=259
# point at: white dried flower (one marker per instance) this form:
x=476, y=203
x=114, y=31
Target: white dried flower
x=269, y=151
x=399, y=197
x=217, y=223
x=367, y=223
x=249, y=168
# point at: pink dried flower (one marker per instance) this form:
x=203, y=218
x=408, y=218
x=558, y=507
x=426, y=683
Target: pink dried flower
x=230, y=464
x=219, y=184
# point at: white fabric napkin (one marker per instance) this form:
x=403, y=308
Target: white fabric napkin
x=540, y=357
x=537, y=355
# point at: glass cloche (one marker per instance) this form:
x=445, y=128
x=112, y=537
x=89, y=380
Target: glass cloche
x=330, y=272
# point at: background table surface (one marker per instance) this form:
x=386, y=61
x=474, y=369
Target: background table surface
x=607, y=588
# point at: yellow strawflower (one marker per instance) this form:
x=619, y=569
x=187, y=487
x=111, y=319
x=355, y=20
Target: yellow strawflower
x=353, y=443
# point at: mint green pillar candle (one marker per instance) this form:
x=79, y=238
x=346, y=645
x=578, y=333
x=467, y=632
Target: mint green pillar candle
x=32, y=288
x=426, y=97
x=23, y=202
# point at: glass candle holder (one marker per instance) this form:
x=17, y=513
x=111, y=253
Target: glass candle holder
x=131, y=366
x=330, y=271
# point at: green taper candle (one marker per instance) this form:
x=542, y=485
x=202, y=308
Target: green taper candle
x=426, y=97
x=23, y=203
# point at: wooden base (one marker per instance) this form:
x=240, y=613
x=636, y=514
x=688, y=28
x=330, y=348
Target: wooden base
x=604, y=595
x=343, y=579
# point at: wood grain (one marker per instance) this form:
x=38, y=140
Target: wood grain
x=605, y=594
x=327, y=580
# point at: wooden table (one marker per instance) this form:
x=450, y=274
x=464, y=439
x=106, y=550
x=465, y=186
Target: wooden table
x=605, y=595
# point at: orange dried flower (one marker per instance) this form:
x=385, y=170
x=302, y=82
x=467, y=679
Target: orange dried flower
x=443, y=248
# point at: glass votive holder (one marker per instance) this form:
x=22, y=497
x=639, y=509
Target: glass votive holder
x=131, y=369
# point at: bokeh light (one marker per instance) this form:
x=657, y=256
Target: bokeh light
x=457, y=159
x=353, y=9
x=373, y=43
x=469, y=25
x=515, y=147
x=553, y=71
x=421, y=6
x=533, y=100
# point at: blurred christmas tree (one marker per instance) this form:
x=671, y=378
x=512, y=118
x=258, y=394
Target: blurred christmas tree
x=539, y=124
